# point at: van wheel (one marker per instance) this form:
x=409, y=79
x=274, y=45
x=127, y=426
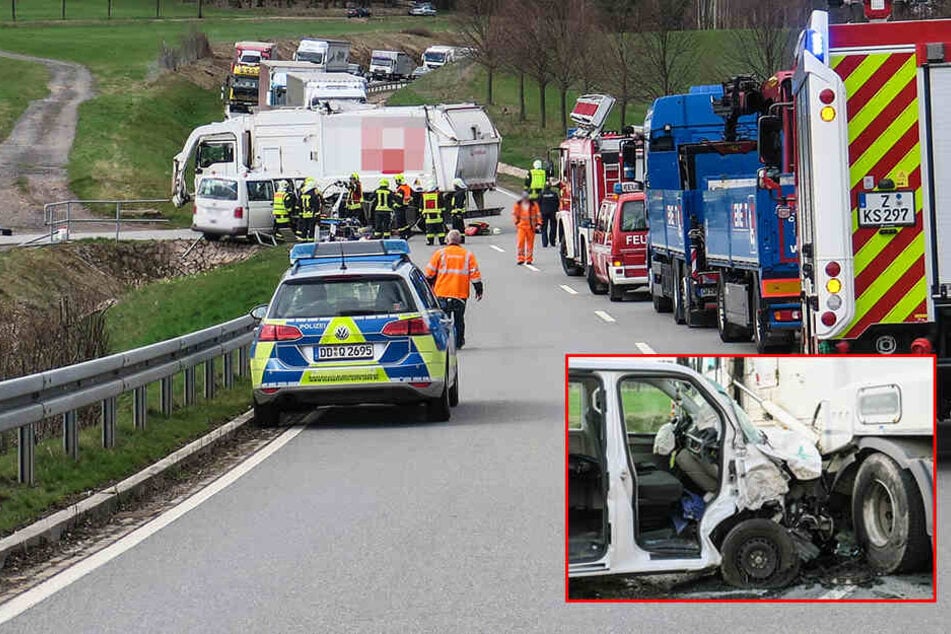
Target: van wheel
x=266, y=415
x=616, y=294
x=597, y=287
x=889, y=517
x=759, y=553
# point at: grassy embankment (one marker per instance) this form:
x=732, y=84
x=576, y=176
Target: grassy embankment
x=148, y=314
x=16, y=96
x=129, y=132
x=524, y=141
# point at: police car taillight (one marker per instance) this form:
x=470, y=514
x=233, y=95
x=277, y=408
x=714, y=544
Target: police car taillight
x=406, y=327
x=279, y=332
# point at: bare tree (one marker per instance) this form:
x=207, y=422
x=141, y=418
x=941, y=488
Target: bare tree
x=666, y=52
x=570, y=34
x=618, y=53
x=533, y=34
x=765, y=34
x=479, y=26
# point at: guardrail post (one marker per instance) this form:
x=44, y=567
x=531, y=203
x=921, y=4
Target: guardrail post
x=190, y=386
x=26, y=449
x=71, y=434
x=166, y=394
x=118, y=213
x=109, y=423
x=210, y=378
x=140, y=406
x=69, y=210
x=228, y=369
x=243, y=368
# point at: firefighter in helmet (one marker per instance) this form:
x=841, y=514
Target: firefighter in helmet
x=402, y=198
x=459, y=201
x=354, y=207
x=433, y=214
x=382, y=207
x=535, y=182
x=279, y=207
x=310, y=209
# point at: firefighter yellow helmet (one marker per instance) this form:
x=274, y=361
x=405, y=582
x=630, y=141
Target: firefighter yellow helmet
x=384, y=182
x=398, y=178
x=354, y=177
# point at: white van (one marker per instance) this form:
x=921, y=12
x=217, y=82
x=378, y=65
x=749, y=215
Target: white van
x=226, y=206
x=436, y=56
x=391, y=65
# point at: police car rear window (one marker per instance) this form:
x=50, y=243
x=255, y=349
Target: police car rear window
x=352, y=296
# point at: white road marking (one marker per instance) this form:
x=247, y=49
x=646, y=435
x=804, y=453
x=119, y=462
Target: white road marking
x=603, y=315
x=532, y=267
x=507, y=193
x=644, y=348
x=499, y=249
x=21, y=603
x=838, y=593
x=567, y=289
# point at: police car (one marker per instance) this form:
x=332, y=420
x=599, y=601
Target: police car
x=352, y=323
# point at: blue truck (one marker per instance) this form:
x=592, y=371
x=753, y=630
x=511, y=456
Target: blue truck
x=721, y=212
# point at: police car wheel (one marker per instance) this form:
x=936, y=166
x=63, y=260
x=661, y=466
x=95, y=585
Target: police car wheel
x=438, y=409
x=454, y=391
x=759, y=553
x=266, y=415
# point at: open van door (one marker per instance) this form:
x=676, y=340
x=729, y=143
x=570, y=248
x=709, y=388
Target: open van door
x=260, y=206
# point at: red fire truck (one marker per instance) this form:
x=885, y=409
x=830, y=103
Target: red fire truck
x=590, y=163
x=873, y=167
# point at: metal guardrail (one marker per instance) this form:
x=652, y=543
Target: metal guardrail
x=387, y=86
x=58, y=216
x=27, y=400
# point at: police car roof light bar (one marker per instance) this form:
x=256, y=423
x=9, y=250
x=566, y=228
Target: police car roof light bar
x=341, y=251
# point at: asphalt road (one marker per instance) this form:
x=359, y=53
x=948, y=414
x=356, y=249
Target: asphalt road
x=371, y=520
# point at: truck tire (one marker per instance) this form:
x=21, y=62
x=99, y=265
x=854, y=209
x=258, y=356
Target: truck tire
x=661, y=303
x=759, y=553
x=678, y=299
x=568, y=265
x=889, y=517
x=760, y=336
x=729, y=333
x=597, y=286
x=266, y=415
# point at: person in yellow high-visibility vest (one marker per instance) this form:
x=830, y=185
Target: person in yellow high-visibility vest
x=433, y=216
x=310, y=209
x=354, y=198
x=279, y=208
x=536, y=180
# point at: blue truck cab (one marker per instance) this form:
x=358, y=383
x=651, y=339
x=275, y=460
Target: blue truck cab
x=722, y=227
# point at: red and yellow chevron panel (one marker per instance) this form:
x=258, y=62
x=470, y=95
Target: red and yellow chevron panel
x=890, y=282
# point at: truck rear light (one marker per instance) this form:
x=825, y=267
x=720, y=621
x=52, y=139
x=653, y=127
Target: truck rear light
x=833, y=286
x=827, y=113
x=787, y=315
x=826, y=96
x=279, y=332
x=406, y=327
x=843, y=347
x=921, y=346
x=833, y=269
x=239, y=212
x=828, y=319
x=834, y=302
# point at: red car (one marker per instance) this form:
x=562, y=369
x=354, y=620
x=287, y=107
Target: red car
x=619, y=243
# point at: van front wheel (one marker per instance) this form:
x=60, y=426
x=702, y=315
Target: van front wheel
x=759, y=553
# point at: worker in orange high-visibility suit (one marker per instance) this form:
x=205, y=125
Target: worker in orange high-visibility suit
x=528, y=218
x=450, y=271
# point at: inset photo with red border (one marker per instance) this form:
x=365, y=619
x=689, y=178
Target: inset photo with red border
x=750, y=478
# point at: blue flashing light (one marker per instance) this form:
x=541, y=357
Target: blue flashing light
x=347, y=250
x=815, y=45
x=712, y=89
x=617, y=188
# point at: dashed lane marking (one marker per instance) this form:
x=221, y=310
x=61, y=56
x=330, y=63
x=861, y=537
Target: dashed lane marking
x=36, y=594
x=567, y=289
x=499, y=249
x=532, y=267
x=838, y=593
x=644, y=348
x=603, y=315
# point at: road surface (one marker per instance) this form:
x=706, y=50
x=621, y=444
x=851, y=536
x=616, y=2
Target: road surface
x=371, y=520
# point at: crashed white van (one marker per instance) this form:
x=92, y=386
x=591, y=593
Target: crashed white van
x=666, y=473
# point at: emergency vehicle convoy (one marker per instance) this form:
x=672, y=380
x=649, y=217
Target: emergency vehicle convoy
x=722, y=231
x=590, y=163
x=873, y=144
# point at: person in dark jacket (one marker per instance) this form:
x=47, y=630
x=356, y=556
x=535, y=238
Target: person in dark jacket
x=549, y=207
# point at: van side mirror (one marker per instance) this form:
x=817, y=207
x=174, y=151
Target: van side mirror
x=771, y=140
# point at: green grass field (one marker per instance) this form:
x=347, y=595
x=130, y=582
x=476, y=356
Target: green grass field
x=16, y=96
x=99, y=9
x=645, y=407
x=524, y=141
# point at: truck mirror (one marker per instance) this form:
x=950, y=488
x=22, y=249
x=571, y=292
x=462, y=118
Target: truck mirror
x=770, y=140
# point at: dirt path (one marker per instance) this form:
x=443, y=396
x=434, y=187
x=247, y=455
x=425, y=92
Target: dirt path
x=33, y=158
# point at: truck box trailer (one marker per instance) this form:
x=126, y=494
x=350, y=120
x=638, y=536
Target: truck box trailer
x=330, y=56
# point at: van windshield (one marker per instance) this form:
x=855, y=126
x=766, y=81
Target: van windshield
x=218, y=189
x=310, y=56
x=633, y=218
x=437, y=58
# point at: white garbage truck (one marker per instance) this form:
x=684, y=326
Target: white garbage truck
x=668, y=472
x=430, y=144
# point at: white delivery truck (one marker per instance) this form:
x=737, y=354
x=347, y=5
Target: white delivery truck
x=668, y=473
x=430, y=143
x=330, y=56
x=390, y=65
x=324, y=91
x=436, y=56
